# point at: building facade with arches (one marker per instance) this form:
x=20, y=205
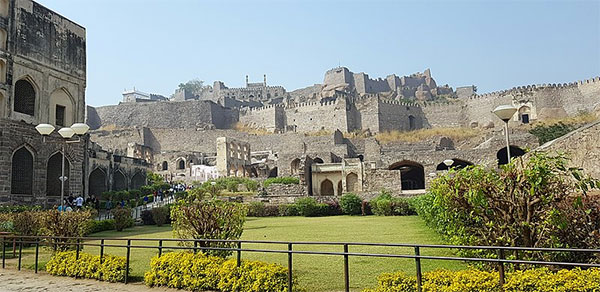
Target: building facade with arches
x=42, y=80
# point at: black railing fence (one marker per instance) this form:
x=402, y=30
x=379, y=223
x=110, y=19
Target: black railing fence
x=193, y=245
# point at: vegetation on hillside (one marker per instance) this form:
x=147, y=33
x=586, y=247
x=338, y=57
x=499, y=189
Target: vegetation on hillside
x=549, y=130
x=241, y=127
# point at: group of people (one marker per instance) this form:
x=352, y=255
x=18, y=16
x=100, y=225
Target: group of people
x=77, y=203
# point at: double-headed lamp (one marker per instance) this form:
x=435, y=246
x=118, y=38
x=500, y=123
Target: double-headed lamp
x=44, y=129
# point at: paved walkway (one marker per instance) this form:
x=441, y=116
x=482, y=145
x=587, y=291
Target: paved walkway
x=13, y=280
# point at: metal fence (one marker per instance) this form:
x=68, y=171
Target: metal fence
x=500, y=261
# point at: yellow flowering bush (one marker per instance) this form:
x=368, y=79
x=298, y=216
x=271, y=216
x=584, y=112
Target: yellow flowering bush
x=87, y=266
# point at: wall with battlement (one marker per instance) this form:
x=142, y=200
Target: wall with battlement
x=312, y=117
x=270, y=118
x=444, y=115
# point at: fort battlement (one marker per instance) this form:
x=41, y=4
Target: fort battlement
x=535, y=87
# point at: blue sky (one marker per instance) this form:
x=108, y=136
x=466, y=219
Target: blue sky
x=154, y=45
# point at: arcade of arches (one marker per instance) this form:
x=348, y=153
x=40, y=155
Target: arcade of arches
x=97, y=182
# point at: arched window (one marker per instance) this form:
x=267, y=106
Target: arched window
x=411, y=123
x=97, y=183
x=503, y=156
x=21, y=181
x=412, y=174
x=2, y=105
x=165, y=165
x=352, y=183
x=524, y=114
x=2, y=70
x=24, y=97
x=119, y=181
x=327, y=188
x=53, y=173
x=61, y=108
x=318, y=160
x=339, y=188
x=295, y=166
x=181, y=164
x=4, y=8
x=3, y=38
x=137, y=181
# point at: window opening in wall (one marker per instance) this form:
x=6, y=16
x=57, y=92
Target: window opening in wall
x=24, y=97
x=525, y=118
x=22, y=172
x=60, y=115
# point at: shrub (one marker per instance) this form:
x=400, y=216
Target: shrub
x=256, y=209
x=211, y=219
x=146, y=217
x=63, y=224
x=26, y=223
x=546, y=133
x=482, y=281
x=18, y=208
x=87, y=266
x=122, y=218
x=160, y=215
x=196, y=271
x=94, y=226
x=288, y=210
x=308, y=207
x=351, y=204
x=365, y=208
x=281, y=180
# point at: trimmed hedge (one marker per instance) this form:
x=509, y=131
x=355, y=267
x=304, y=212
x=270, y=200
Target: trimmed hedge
x=196, y=271
x=539, y=280
x=88, y=266
x=94, y=226
x=351, y=204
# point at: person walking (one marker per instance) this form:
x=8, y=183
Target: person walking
x=79, y=202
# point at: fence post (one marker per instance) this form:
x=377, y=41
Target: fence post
x=77, y=252
x=127, y=260
x=3, y=252
x=346, y=273
x=290, y=282
x=160, y=248
x=101, y=257
x=239, y=253
x=501, y=268
x=195, y=246
x=20, y=251
x=419, y=274
x=37, y=253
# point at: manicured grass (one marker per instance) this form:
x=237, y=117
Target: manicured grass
x=315, y=272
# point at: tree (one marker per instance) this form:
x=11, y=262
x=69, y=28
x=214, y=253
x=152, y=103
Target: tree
x=194, y=86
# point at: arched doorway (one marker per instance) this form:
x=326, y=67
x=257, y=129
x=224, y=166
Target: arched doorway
x=97, y=183
x=412, y=174
x=181, y=164
x=273, y=172
x=21, y=180
x=165, y=165
x=502, y=156
x=327, y=188
x=119, y=181
x=61, y=108
x=457, y=164
x=137, y=181
x=351, y=182
x=53, y=173
x=24, y=101
x=340, y=190
x=524, y=114
x=318, y=160
x=295, y=166
x=411, y=123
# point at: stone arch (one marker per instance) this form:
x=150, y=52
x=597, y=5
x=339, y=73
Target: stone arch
x=97, y=182
x=352, y=182
x=25, y=96
x=53, y=173
x=3, y=38
x=524, y=114
x=318, y=160
x=411, y=122
x=327, y=188
x=137, y=180
x=2, y=104
x=61, y=109
x=2, y=68
x=412, y=174
x=4, y=8
x=21, y=181
x=340, y=189
x=295, y=166
x=273, y=172
x=180, y=163
x=457, y=164
x=165, y=165
x=502, y=156
x=119, y=181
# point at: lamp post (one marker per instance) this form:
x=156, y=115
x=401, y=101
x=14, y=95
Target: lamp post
x=505, y=113
x=213, y=184
x=67, y=133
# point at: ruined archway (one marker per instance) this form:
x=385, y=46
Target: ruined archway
x=138, y=180
x=21, y=180
x=352, y=182
x=411, y=123
x=273, y=172
x=412, y=174
x=457, y=164
x=295, y=166
x=119, y=181
x=165, y=165
x=24, y=101
x=502, y=156
x=181, y=164
x=327, y=188
x=53, y=173
x=97, y=183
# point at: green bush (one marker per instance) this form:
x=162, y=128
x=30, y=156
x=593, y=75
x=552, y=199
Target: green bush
x=63, y=224
x=26, y=223
x=538, y=280
x=211, y=219
x=123, y=218
x=160, y=215
x=256, y=209
x=281, y=180
x=288, y=210
x=94, y=226
x=309, y=207
x=87, y=266
x=18, y=208
x=197, y=272
x=386, y=205
x=546, y=133
x=351, y=204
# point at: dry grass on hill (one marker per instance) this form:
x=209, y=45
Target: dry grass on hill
x=319, y=133
x=456, y=134
x=240, y=127
x=109, y=127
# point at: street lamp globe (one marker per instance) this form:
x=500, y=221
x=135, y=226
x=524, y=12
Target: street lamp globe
x=505, y=112
x=44, y=129
x=448, y=162
x=66, y=132
x=80, y=128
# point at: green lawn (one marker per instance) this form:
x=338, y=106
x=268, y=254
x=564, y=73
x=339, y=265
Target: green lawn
x=315, y=272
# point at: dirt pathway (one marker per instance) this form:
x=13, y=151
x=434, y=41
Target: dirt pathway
x=24, y=280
